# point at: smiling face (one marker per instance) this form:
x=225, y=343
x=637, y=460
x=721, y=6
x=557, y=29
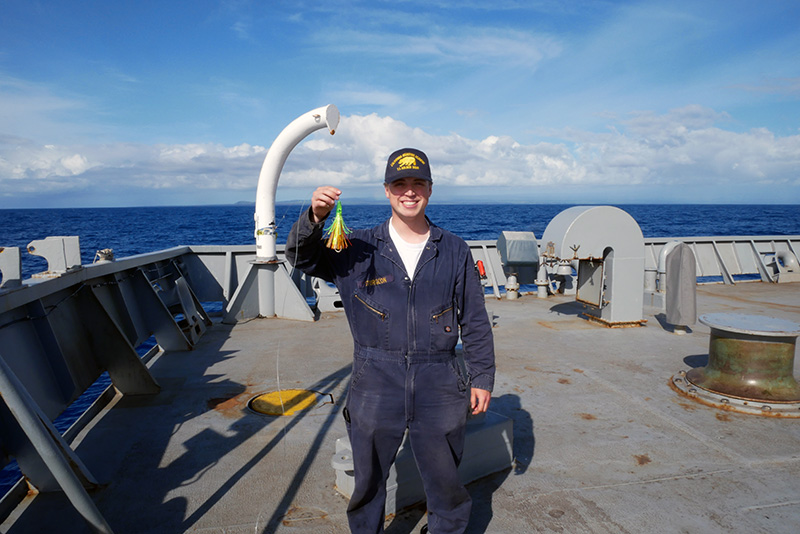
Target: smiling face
x=409, y=197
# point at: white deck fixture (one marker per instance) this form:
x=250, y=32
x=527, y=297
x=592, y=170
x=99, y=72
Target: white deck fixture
x=608, y=245
x=296, y=131
x=267, y=289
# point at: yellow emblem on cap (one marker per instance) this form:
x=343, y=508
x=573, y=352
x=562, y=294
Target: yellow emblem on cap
x=407, y=160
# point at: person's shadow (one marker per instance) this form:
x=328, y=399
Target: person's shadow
x=524, y=444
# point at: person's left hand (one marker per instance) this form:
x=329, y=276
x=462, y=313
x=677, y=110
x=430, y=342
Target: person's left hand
x=480, y=400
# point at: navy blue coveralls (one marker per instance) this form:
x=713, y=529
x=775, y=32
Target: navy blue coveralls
x=405, y=374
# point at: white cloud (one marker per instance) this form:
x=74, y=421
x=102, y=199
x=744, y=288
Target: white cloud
x=681, y=149
x=778, y=86
x=242, y=30
x=454, y=45
x=684, y=147
x=365, y=96
x=29, y=109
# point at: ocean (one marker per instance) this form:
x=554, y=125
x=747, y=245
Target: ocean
x=130, y=231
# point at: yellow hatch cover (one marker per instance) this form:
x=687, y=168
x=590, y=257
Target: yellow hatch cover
x=285, y=401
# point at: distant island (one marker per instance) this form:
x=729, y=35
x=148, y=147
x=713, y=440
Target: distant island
x=353, y=201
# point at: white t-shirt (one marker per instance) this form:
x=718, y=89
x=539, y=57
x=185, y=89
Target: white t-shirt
x=409, y=252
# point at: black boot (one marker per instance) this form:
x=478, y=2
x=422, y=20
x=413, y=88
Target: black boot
x=424, y=529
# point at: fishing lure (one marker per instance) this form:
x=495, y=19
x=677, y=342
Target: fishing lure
x=337, y=231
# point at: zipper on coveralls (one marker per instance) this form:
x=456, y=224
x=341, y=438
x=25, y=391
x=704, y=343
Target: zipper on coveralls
x=436, y=316
x=410, y=342
x=379, y=313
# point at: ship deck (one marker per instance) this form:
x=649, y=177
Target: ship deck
x=601, y=441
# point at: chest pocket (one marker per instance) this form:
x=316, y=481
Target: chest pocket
x=370, y=322
x=444, y=328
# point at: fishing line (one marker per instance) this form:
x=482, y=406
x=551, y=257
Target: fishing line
x=278, y=354
x=297, y=236
x=280, y=396
x=296, y=243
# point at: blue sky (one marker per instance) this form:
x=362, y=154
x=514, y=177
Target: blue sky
x=175, y=103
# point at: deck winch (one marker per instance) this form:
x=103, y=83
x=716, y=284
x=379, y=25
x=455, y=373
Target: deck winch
x=750, y=365
x=608, y=247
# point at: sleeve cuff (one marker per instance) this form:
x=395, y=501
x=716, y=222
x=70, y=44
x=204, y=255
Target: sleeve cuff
x=483, y=382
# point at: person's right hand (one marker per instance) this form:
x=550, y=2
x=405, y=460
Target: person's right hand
x=323, y=200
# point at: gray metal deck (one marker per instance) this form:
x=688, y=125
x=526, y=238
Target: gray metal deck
x=602, y=443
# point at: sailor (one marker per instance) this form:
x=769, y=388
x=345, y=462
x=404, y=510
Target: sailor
x=408, y=289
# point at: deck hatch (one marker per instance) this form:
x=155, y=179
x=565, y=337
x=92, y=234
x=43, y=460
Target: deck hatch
x=287, y=401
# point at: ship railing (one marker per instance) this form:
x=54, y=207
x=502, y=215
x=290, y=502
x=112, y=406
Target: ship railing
x=61, y=335
x=722, y=259
x=719, y=259
x=730, y=259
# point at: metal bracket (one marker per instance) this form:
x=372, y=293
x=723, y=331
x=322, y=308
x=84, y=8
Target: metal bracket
x=63, y=253
x=10, y=268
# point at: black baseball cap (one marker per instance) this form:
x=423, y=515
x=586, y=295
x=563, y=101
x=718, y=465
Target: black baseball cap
x=407, y=162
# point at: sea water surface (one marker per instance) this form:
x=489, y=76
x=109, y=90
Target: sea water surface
x=130, y=231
